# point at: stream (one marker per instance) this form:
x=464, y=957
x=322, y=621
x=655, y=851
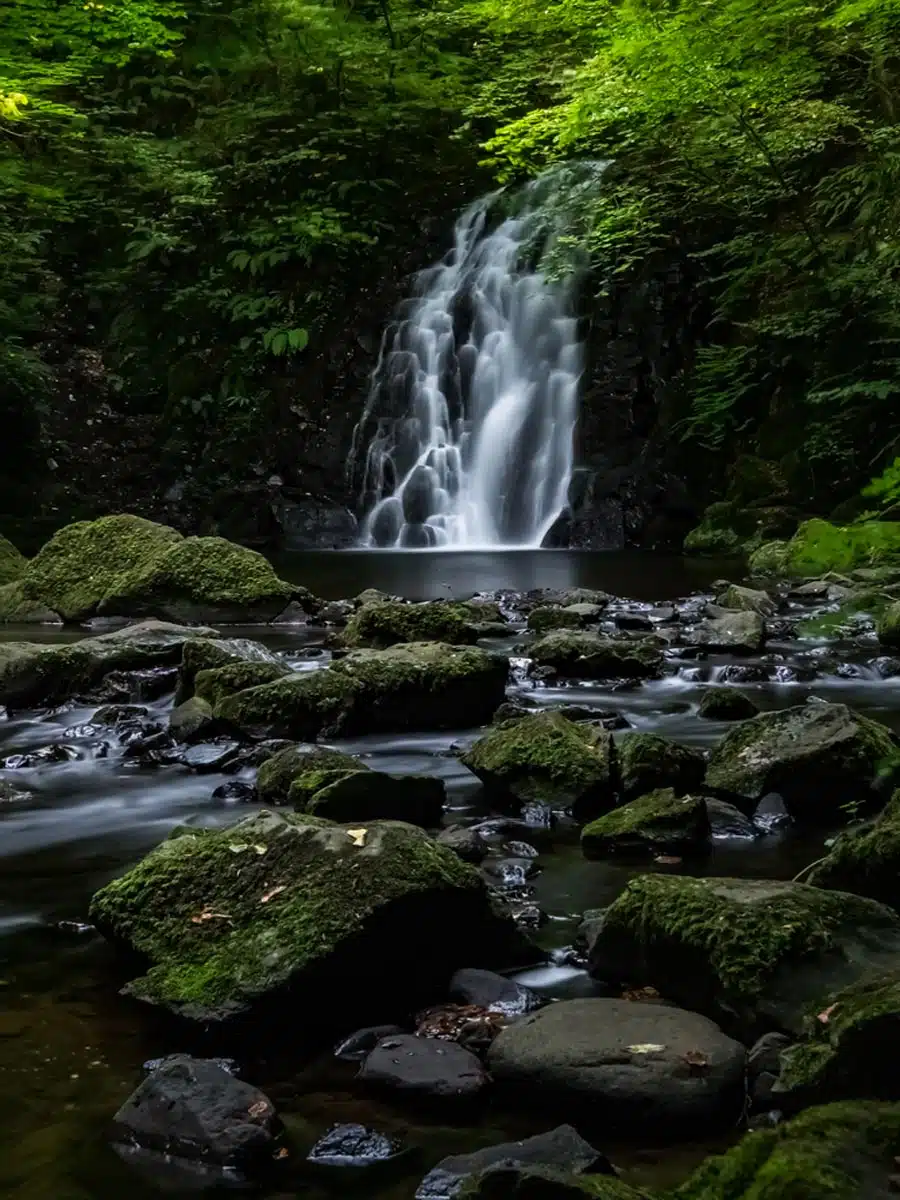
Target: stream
x=71, y=1048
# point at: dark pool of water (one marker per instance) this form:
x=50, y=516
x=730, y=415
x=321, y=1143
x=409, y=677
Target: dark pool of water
x=71, y=1048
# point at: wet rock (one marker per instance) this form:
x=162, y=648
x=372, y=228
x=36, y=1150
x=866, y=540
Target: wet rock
x=209, y=757
x=235, y=791
x=355, y=1146
x=546, y=759
x=728, y=823
x=646, y=762
x=571, y=616
x=726, y=704
x=362, y=1042
x=366, y=795
x=562, y=1149
x=771, y=814
x=761, y=952
x=191, y=1108
x=148, y=684
x=278, y=772
x=637, y=621
x=744, y=599
x=511, y=712
x=390, y=622
x=116, y=715
x=424, y=685
x=603, y=717
x=470, y=985
x=336, y=612
x=582, y=655
x=763, y=1066
x=465, y=841
x=819, y=757
x=866, y=859
x=638, y=1066
x=46, y=756
x=210, y=653
x=424, y=1067
x=741, y=673
x=661, y=822
x=229, y=919
x=736, y=633
x=543, y=1183
x=10, y=794
x=220, y=683
x=664, y=613
x=192, y=721
x=153, y=749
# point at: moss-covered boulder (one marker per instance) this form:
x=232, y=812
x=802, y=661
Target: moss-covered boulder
x=548, y=759
x=850, y=1049
x=417, y=685
x=216, y=685
x=32, y=673
x=888, y=625
x=17, y=609
x=206, y=654
x=543, y=1183
x=753, y=954
x=662, y=822
x=366, y=795
x=744, y=599
x=866, y=859
x=819, y=547
x=12, y=562
x=726, y=704
x=284, y=912
x=646, y=762
x=275, y=776
x=819, y=757
x=734, y=633
x=192, y=721
x=579, y=654
x=557, y=616
x=389, y=622
x=837, y=1152
x=730, y=528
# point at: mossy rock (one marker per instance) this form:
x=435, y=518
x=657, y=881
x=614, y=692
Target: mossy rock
x=32, y=673
x=734, y=633
x=819, y=757
x=415, y=686
x=201, y=579
x=662, y=822
x=280, y=912
x=836, y=1152
x=390, y=622
x=752, y=954
x=729, y=529
x=646, y=762
x=543, y=1183
x=866, y=860
x=275, y=776
x=365, y=795
x=888, y=626
x=554, y=616
x=216, y=685
x=192, y=720
x=581, y=655
x=753, y=481
x=744, y=599
x=206, y=654
x=726, y=704
x=83, y=562
x=819, y=547
x=17, y=609
x=713, y=541
x=548, y=759
x=850, y=1049
x=769, y=560
x=12, y=563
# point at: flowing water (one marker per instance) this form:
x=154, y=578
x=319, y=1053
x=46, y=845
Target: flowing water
x=71, y=1048
x=468, y=427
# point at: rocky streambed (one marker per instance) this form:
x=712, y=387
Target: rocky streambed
x=550, y=893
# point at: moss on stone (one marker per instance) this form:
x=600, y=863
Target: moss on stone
x=226, y=917
x=17, y=608
x=661, y=821
x=544, y=1183
x=387, y=623
x=553, y=616
x=818, y=547
x=278, y=773
x=769, y=559
x=744, y=599
x=548, y=759
x=726, y=704
x=215, y=685
x=646, y=762
x=866, y=860
x=83, y=562
x=12, y=563
x=819, y=757
x=579, y=654
x=836, y=1152
x=888, y=625
x=724, y=946
x=364, y=795
x=729, y=528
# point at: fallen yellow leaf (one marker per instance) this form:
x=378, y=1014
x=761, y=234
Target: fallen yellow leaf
x=645, y=1048
x=357, y=836
x=267, y=896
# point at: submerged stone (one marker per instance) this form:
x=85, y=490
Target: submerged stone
x=282, y=906
x=659, y=823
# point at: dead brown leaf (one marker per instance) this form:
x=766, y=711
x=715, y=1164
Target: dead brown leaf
x=209, y=915
x=282, y=1153
x=696, y=1060
x=644, y=993
x=825, y=1015
x=275, y=891
x=667, y=860
x=259, y=1109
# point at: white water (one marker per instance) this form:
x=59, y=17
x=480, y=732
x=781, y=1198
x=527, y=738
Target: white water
x=479, y=378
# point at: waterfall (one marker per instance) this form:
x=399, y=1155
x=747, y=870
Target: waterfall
x=469, y=423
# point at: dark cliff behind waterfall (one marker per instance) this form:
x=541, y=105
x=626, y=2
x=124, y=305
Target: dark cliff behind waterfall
x=210, y=211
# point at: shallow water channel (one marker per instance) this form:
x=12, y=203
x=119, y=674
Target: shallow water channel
x=71, y=1048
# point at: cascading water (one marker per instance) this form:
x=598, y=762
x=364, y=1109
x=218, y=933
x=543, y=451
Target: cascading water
x=479, y=378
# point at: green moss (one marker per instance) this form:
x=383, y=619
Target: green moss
x=818, y=547
x=769, y=559
x=888, y=626
x=299, y=706
x=837, y=1152
x=16, y=607
x=730, y=528
x=866, y=861
x=592, y=656
x=278, y=773
x=726, y=704
x=752, y=480
x=76, y=569
x=305, y=786
x=660, y=821
x=546, y=758
x=646, y=762
x=329, y=886
x=389, y=622
x=725, y=939
x=12, y=563
x=214, y=686
x=365, y=795
x=743, y=599
x=540, y=620
x=713, y=541
x=543, y=1183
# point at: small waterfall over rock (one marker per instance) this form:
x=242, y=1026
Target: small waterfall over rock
x=469, y=423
